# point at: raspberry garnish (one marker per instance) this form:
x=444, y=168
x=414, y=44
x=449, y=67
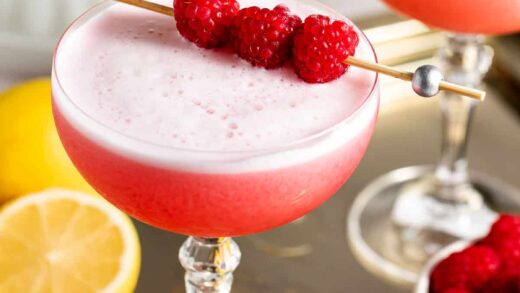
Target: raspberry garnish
x=205, y=22
x=469, y=270
x=321, y=46
x=504, y=238
x=264, y=36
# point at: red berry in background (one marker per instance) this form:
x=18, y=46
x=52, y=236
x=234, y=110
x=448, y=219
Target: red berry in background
x=205, y=22
x=505, y=282
x=321, y=46
x=506, y=226
x=456, y=291
x=469, y=269
x=509, y=252
x=264, y=36
x=504, y=238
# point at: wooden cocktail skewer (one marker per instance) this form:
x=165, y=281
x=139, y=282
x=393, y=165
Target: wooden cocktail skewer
x=379, y=68
x=408, y=76
x=150, y=6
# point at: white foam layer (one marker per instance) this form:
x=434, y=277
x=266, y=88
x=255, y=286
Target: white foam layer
x=128, y=70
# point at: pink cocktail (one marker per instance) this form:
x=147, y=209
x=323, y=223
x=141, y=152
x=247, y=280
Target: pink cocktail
x=197, y=141
x=215, y=202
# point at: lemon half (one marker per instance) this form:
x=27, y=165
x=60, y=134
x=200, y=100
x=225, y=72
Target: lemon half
x=64, y=241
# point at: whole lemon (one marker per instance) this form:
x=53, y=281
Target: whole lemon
x=31, y=155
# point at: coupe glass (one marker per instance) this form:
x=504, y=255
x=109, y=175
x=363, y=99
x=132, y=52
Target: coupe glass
x=163, y=185
x=401, y=219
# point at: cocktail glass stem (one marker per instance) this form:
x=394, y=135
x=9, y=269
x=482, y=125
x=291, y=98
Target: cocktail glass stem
x=447, y=206
x=464, y=60
x=209, y=264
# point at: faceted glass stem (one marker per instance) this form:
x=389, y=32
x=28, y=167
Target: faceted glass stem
x=209, y=264
x=464, y=60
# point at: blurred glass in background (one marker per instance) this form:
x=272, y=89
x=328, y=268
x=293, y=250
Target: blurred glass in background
x=29, y=30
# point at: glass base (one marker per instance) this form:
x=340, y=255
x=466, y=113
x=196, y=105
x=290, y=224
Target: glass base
x=395, y=225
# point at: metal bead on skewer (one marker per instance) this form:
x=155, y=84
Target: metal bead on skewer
x=426, y=81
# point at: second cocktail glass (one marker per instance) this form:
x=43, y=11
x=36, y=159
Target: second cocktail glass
x=404, y=217
x=113, y=82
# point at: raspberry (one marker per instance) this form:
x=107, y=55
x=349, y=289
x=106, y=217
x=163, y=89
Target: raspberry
x=321, y=46
x=507, y=226
x=205, y=22
x=506, y=282
x=509, y=252
x=504, y=238
x=469, y=269
x=456, y=291
x=264, y=36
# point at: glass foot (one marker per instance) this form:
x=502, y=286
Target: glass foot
x=395, y=225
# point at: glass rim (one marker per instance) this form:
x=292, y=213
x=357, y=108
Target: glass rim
x=273, y=149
